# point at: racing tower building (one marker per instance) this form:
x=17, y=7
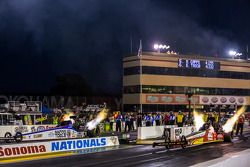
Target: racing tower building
x=163, y=82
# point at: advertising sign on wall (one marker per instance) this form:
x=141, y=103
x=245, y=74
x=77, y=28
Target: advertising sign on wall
x=171, y=99
x=27, y=149
x=223, y=100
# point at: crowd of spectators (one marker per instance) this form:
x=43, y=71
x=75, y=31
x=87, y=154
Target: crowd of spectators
x=131, y=120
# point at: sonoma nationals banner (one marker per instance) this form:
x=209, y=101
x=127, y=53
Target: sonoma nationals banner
x=27, y=149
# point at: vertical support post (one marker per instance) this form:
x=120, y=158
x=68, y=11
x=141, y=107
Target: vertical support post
x=189, y=106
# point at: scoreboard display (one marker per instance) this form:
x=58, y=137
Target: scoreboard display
x=198, y=64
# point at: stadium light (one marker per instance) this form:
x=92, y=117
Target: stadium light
x=234, y=53
x=156, y=46
x=160, y=47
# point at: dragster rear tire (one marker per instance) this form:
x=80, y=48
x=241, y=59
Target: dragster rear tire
x=228, y=137
x=184, y=140
x=167, y=146
x=18, y=137
x=167, y=140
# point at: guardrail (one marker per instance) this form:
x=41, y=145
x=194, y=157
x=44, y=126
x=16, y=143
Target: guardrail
x=152, y=132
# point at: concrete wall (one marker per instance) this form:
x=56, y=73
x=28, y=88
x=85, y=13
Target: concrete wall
x=152, y=132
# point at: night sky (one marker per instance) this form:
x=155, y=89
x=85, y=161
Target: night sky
x=43, y=39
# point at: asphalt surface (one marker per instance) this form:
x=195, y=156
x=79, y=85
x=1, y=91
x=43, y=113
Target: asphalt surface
x=144, y=156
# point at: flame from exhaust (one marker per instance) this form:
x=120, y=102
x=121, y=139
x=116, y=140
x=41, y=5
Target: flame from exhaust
x=100, y=117
x=198, y=120
x=228, y=126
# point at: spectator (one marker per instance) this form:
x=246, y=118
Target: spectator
x=139, y=120
x=152, y=119
x=216, y=117
x=162, y=118
x=148, y=120
x=111, y=122
x=211, y=119
x=172, y=118
x=55, y=120
x=127, y=123
x=167, y=119
x=240, y=125
x=180, y=119
x=118, y=123
x=205, y=116
x=132, y=118
x=185, y=119
x=157, y=119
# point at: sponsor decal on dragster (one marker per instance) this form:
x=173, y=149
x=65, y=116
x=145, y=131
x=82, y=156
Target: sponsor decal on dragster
x=55, y=133
x=30, y=129
x=198, y=135
x=50, y=129
x=78, y=144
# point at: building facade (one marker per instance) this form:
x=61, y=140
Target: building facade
x=162, y=82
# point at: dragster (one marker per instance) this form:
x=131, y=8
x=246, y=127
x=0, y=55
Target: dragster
x=68, y=129
x=206, y=134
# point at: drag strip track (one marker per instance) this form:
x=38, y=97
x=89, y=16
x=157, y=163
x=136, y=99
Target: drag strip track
x=144, y=156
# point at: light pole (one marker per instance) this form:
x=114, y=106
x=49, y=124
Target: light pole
x=160, y=47
x=189, y=95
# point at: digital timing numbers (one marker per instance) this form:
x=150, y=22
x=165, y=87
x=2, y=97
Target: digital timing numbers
x=209, y=65
x=195, y=63
x=180, y=63
x=198, y=64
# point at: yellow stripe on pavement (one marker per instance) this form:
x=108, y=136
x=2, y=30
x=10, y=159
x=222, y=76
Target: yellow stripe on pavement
x=35, y=157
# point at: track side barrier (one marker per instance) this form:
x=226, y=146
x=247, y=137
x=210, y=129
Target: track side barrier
x=36, y=148
x=152, y=132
